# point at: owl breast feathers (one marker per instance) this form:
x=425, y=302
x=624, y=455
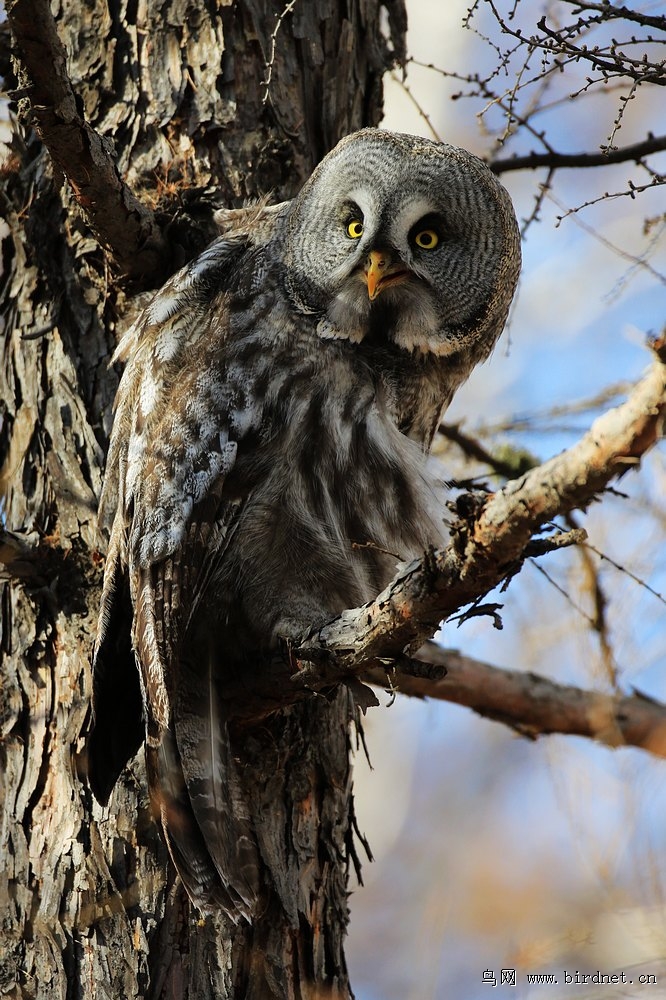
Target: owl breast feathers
x=267, y=460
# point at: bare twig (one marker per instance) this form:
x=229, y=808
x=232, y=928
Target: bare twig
x=419, y=107
x=472, y=448
x=630, y=192
x=636, y=262
x=555, y=160
x=561, y=540
x=608, y=11
x=552, y=413
x=624, y=569
x=609, y=61
x=270, y=62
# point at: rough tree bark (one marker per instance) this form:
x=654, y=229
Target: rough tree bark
x=174, y=91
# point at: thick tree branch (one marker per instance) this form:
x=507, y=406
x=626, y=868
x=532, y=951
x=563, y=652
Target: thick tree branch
x=604, y=158
x=533, y=705
x=488, y=547
x=127, y=228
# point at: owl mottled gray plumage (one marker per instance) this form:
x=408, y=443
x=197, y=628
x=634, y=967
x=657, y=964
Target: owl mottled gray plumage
x=268, y=454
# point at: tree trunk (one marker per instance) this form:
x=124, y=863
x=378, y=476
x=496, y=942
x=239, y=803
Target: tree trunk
x=89, y=903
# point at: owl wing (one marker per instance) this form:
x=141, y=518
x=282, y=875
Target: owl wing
x=179, y=418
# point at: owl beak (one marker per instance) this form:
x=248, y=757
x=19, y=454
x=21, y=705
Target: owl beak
x=380, y=271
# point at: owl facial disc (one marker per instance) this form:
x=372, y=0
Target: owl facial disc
x=409, y=240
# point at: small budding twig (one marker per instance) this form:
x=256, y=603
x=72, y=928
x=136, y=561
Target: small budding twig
x=270, y=62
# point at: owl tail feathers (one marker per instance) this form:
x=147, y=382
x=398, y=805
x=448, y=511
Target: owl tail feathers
x=208, y=833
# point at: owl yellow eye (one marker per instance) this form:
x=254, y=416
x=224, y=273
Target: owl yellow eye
x=427, y=239
x=355, y=229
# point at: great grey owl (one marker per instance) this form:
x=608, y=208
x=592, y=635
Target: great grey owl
x=267, y=460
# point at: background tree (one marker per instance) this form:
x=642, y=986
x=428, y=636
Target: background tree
x=90, y=898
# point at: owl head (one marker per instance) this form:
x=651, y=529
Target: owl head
x=403, y=238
